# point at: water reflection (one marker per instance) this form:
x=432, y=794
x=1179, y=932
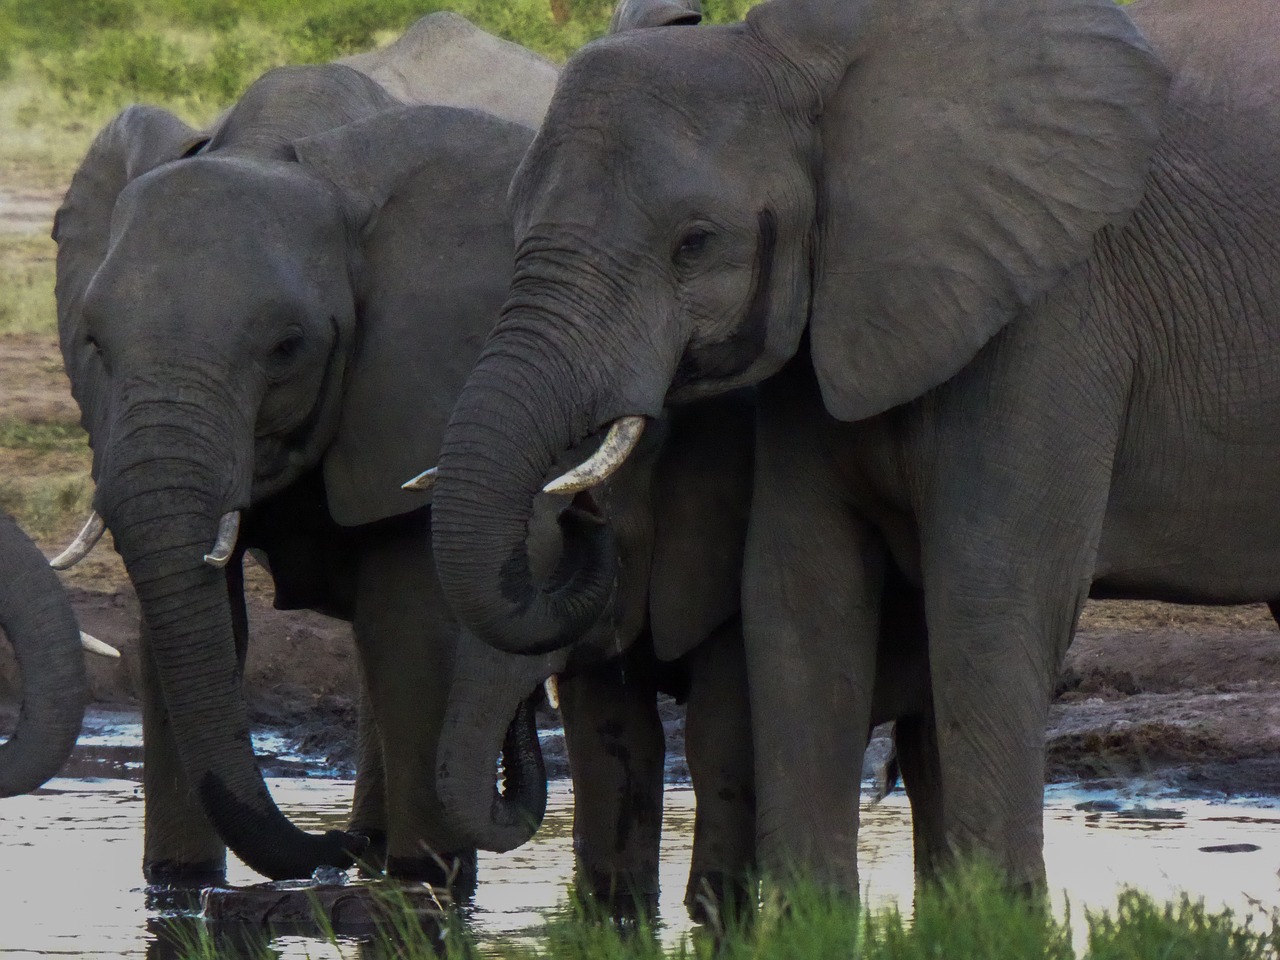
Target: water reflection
x=71, y=883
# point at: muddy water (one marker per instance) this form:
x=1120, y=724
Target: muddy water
x=70, y=882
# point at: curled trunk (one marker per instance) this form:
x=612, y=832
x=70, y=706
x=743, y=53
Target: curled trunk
x=490, y=714
x=162, y=492
x=37, y=618
x=514, y=418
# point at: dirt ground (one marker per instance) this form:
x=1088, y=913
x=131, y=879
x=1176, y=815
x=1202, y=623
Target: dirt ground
x=1189, y=696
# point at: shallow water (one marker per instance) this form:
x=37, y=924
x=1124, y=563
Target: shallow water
x=71, y=884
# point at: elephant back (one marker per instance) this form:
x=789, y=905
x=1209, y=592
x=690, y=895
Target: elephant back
x=291, y=103
x=445, y=59
x=1221, y=53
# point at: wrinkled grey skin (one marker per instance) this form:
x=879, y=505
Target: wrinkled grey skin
x=1007, y=276
x=241, y=314
x=36, y=617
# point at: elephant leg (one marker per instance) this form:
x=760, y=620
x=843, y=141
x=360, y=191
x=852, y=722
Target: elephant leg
x=1008, y=556
x=916, y=741
x=812, y=584
x=616, y=753
x=369, y=805
x=718, y=747
x=406, y=639
x=180, y=845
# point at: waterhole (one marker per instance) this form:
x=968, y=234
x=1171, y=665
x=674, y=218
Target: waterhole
x=71, y=881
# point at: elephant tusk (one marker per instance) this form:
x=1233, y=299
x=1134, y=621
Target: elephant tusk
x=618, y=443
x=82, y=545
x=225, y=545
x=423, y=481
x=92, y=644
x=551, y=686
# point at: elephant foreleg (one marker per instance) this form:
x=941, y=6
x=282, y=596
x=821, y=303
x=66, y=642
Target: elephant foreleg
x=180, y=845
x=369, y=804
x=616, y=753
x=406, y=640
x=718, y=748
x=811, y=589
x=916, y=740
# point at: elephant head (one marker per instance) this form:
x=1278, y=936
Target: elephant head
x=36, y=617
x=225, y=317
x=893, y=181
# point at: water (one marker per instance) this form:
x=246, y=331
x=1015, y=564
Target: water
x=71, y=883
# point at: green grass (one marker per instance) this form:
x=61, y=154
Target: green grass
x=41, y=437
x=26, y=282
x=969, y=918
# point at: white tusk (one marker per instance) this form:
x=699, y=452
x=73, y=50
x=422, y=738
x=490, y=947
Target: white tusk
x=423, y=481
x=617, y=446
x=84, y=542
x=225, y=545
x=551, y=686
x=94, y=645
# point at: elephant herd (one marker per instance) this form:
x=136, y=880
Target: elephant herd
x=814, y=369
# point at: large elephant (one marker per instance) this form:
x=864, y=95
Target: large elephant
x=1008, y=275
x=36, y=617
x=250, y=331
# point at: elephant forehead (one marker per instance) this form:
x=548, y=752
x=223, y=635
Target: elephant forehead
x=230, y=201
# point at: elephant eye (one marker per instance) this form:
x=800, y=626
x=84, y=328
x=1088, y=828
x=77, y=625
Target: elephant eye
x=286, y=350
x=692, y=244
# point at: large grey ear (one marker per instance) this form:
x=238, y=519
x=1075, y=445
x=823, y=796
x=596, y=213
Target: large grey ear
x=702, y=497
x=429, y=184
x=138, y=140
x=631, y=14
x=970, y=150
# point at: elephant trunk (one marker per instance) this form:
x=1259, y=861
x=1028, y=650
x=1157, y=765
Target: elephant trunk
x=520, y=410
x=162, y=491
x=489, y=688
x=37, y=618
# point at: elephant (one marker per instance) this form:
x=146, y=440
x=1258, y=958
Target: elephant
x=1005, y=278
x=269, y=375
x=36, y=616
x=248, y=331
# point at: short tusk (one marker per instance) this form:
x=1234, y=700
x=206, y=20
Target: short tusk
x=551, y=686
x=617, y=446
x=225, y=545
x=423, y=481
x=81, y=546
x=94, y=645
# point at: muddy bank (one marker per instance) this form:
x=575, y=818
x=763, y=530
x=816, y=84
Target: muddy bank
x=1184, y=696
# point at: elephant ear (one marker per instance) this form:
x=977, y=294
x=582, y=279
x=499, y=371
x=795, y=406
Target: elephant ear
x=426, y=186
x=138, y=140
x=702, y=497
x=633, y=14
x=970, y=150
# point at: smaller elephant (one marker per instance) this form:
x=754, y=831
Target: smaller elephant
x=36, y=616
x=249, y=330
x=679, y=512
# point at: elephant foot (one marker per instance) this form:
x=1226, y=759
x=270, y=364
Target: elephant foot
x=173, y=873
x=455, y=872
x=373, y=861
x=619, y=897
x=719, y=899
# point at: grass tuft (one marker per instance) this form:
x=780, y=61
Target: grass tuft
x=972, y=916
